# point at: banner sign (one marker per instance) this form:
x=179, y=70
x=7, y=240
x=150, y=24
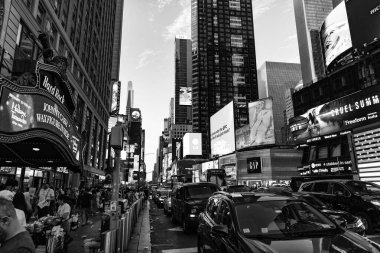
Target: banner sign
x=20, y=112
x=346, y=113
x=329, y=167
x=185, y=96
x=115, y=102
x=50, y=80
x=254, y=165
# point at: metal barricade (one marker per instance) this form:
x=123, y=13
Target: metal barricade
x=115, y=241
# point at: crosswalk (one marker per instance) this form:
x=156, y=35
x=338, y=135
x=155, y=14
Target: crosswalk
x=185, y=250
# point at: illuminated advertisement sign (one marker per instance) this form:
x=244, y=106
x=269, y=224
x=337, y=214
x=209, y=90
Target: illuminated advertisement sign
x=20, y=112
x=254, y=165
x=329, y=167
x=192, y=144
x=222, y=130
x=364, y=21
x=185, y=96
x=346, y=113
x=115, y=102
x=210, y=165
x=260, y=130
x=335, y=34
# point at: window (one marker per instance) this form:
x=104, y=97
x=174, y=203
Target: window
x=234, y=4
x=236, y=41
x=323, y=152
x=235, y=22
x=335, y=188
x=238, y=79
x=26, y=46
x=306, y=187
x=335, y=150
x=237, y=60
x=321, y=187
x=212, y=207
x=224, y=214
x=41, y=14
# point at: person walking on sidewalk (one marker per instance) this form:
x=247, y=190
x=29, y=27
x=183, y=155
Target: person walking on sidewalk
x=84, y=199
x=46, y=196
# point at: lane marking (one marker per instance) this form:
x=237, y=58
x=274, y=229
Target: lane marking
x=185, y=250
x=176, y=229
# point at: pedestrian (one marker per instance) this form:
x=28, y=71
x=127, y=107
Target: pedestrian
x=45, y=197
x=84, y=200
x=13, y=236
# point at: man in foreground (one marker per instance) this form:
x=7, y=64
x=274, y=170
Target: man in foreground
x=13, y=237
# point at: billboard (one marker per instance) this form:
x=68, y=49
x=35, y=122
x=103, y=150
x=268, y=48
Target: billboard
x=346, y=113
x=115, y=102
x=260, y=130
x=335, y=34
x=222, y=129
x=364, y=21
x=254, y=165
x=185, y=96
x=192, y=144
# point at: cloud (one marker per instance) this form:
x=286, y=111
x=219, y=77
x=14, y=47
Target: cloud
x=145, y=58
x=181, y=25
x=291, y=37
x=259, y=7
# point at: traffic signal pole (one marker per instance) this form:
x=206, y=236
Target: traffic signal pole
x=115, y=191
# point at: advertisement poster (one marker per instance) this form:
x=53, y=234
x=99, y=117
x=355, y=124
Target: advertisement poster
x=185, y=96
x=364, y=21
x=20, y=112
x=192, y=144
x=355, y=110
x=222, y=130
x=254, y=165
x=335, y=34
x=115, y=103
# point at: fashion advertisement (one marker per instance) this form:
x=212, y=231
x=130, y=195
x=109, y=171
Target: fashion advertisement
x=185, y=96
x=335, y=34
x=355, y=110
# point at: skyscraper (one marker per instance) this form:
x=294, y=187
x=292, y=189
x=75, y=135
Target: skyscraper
x=274, y=78
x=224, y=61
x=309, y=16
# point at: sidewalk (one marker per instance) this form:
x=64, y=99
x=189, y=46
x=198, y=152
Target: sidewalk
x=140, y=240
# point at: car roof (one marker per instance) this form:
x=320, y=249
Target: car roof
x=199, y=184
x=329, y=180
x=252, y=197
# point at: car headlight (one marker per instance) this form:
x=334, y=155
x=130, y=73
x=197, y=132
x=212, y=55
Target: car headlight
x=376, y=203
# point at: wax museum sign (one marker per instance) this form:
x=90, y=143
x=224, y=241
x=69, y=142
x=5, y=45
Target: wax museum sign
x=22, y=111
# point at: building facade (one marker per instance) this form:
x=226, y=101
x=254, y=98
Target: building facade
x=88, y=34
x=223, y=62
x=274, y=79
x=309, y=16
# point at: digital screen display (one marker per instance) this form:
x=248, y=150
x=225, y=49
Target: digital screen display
x=185, y=96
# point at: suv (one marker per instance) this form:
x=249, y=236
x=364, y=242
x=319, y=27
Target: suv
x=188, y=201
x=262, y=222
x=359, y=198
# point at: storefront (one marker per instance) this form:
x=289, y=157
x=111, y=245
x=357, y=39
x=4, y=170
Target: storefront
x=341, y=137
x=38, y=138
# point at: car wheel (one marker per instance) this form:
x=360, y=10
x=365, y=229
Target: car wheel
x=366, y=221
x=185, y=226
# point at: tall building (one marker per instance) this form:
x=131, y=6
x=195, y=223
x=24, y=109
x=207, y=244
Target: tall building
x=224, y=61
x=130, y=95
x=274, y=79
x=309, y=16
x=88, y=34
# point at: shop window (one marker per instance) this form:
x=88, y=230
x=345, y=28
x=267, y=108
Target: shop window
x=323, y=152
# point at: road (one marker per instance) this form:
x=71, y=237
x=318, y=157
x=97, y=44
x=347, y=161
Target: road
x=166, y=237
x=169, y=238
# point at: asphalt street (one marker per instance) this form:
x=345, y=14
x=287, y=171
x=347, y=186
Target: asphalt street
x=166, y=237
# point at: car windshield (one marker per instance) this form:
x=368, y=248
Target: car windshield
x=363, y=188
x=281, y=218
x=200, y=191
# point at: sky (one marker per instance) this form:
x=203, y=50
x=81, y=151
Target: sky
x=147, y=53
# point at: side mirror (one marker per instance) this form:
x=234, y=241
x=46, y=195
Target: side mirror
x=219, y=231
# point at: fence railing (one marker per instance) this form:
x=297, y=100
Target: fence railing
x=116, y=241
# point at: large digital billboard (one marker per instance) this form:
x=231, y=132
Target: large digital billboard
x=222, y=129
x=192, y=144
x=346, y=113
x=260, y=130
x=364, y=21
x=335, y=34
x=115, y=103
x=185, y=96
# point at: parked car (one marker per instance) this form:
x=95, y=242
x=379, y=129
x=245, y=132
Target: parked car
x=160, y=192
x=168, y=205
x=189, y=201
x=262, y=222
x=238, y=188
x=343, y=218
x=359, y=198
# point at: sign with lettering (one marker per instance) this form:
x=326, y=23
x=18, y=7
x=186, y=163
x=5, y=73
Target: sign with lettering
x=62, y=170
x=49, y=79
x=328, y=167
x=7, y=170
x=346, y=113
x=20, y=112
x=254, y=165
